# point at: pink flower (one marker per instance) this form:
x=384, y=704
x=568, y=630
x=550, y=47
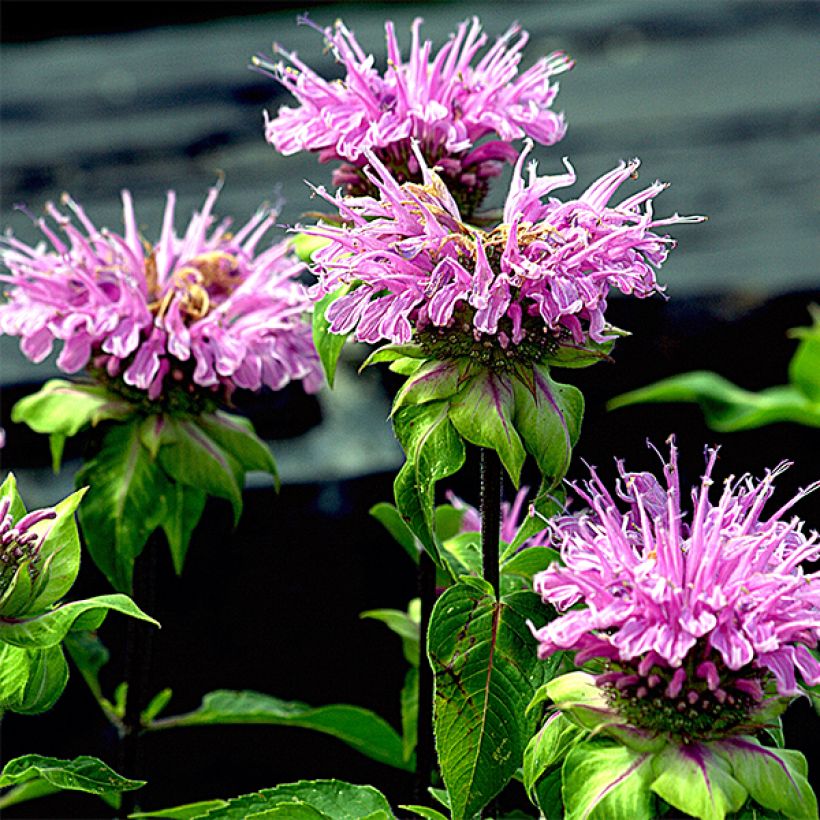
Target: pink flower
x=538, y=280
x=445, y=100
x=704, y=608
x=201, y=311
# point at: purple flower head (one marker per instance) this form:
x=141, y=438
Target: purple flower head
x=447, y=100
x=511, y=519
x=695, y=615
x=516, y=292
x=203, y=312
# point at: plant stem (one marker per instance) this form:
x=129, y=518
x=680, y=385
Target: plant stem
x=425, y=746
x=139, y=641
x=490, y=515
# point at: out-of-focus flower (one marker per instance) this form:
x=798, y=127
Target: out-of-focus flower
x=202, y=313
x=444, y=99
x=512, y=294
x=695, y=617
x=511, y=519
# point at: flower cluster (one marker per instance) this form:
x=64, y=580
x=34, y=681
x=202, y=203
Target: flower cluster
x=539, y=279
x=203, y=312
x=695, y=621
x=441, y=99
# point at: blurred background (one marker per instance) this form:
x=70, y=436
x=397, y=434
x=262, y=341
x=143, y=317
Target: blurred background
x=719, y=97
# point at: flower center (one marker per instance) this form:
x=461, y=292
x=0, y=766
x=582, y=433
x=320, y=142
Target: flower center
x=207, y=278
x=459, y=339
x=680, y=702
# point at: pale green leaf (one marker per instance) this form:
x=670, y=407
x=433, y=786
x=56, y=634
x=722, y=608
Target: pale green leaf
x=328, y=345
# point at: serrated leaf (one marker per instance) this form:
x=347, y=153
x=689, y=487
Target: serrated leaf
x=83, y=774
x=388, y=516
x=605, y=781
x=191, y=456
x=124, y=505
x=774, y=778
x=184, y=506
x=360, y=728
x=486, y=671
x=483, y=414
x=61, y=409
x=49, y=628
x=548, y=418
x=696, y=781
x=328, y=345
x=31, y=680
x=434, y=450
x=726, y=407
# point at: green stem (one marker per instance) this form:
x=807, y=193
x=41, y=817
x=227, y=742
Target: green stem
x=490, y=516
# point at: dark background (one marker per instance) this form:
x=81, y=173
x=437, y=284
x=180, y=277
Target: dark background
x=715, y=96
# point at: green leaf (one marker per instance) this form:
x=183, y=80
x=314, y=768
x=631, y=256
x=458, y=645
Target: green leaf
x=696, y=781
x=49, y=628
x=184, y=506
x=404, y=626
x=236, y=435
x=482, y=412
x=577, y=696
x=189, y=811
x=191, y=456
x=425, y=811
x=409, y=713
x=394, y=353
x=448, y=521
x=360, y=728
x=576, y=356
x=804, y=368
x=83, y=774
x=774, y=778
x=62, y=545
x=25, y=792
x=125, y=503
x=31, y=680
x=61, y=409
x=90, y=655
x=548, y=418
x=486, y=671
x=330, y=800
x=462, y=554
x=156, y=705
x=328, y=345
x=388, y=516
x=726, y=407
x=605, y=781
x=434, y=451
x=548, y=747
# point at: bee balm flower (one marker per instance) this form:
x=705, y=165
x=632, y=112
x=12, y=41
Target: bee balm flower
x=695, y=616
x=540, y=280
x=446, y=100
x=204, y=312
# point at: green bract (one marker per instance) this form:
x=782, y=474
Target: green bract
x=151, y=470
x=609, y=770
